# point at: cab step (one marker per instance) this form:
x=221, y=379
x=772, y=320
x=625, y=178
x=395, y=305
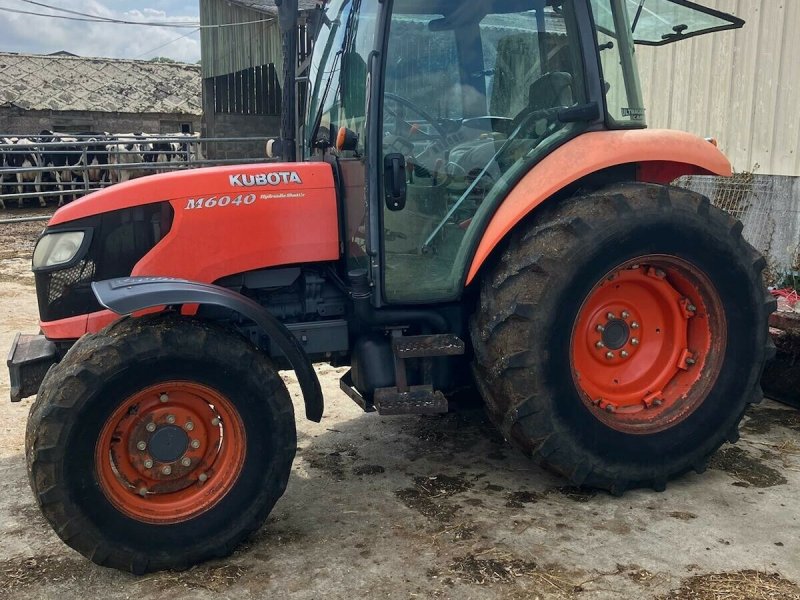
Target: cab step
x=417, y=400
x=423, y=346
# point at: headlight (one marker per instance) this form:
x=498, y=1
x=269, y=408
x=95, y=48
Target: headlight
x=57, y=248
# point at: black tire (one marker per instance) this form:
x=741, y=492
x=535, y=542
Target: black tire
x=81, y=392
x=529, y=303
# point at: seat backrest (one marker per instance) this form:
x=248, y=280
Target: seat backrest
x=551, y=90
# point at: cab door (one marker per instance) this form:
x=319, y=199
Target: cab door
x=474, y=94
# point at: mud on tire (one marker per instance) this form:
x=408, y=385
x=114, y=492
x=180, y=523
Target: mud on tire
x=77, y=401
x=525, y=329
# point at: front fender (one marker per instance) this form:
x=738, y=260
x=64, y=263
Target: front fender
x=128, y=295
x=660, y=154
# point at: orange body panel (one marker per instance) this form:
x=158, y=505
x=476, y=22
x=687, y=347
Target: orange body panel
x=227, y=220
x=662, y=156
x=230, y=219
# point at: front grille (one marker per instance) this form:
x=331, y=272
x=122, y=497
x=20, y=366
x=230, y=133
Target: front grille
x=66, y=293
x=120, y=239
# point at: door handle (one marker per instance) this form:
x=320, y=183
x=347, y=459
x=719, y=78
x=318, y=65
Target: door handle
x=394, y=181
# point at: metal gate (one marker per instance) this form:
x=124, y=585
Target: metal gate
x=57, y=169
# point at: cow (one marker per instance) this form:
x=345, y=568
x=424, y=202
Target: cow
x=128, y=149
x=63, y=157
x=24, y=154
x=97, y=158
x=5, y=144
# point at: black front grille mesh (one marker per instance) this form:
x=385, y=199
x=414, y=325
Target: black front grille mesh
x=60, y=281
x=66, y=293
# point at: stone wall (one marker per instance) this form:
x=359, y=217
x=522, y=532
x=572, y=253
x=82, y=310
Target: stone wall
x=16, y=121
x=258, y=127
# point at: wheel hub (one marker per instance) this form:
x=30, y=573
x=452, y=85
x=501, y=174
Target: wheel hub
x=170, y=451
x=168, y=443
x=641, y=349
x=615, y=334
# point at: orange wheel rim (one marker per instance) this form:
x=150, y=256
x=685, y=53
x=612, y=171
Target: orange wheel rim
x=648, y=344
x=170, y=452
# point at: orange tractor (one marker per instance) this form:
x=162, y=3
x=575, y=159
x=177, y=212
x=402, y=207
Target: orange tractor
x=470, y=200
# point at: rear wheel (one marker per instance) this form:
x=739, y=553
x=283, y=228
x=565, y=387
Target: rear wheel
x=159, y=442
x=622, y=334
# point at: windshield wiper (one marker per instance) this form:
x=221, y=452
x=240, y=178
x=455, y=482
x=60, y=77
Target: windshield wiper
x=638, y=14
x=320, y=110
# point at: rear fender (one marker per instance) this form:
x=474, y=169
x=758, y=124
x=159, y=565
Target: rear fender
x=128, y=295
x=660, y=155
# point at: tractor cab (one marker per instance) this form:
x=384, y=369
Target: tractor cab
x=450, y=104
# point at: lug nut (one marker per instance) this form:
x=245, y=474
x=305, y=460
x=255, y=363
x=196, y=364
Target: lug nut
x=690, y=361
x=189, y=426
x=164, y=398
x=634, y=325
x=170, y=419
x=166, y=470
x=151, y=427
x=610, y=316
x=660, y=274
x=186, y=461
x=202, y=477
x=625, y=314
x=141, y=445
x=610, y=408
x=600, y=344
x=609, y=355
x=658, y=402
x=195, y=444
x=624, y=354
x=600, y=329
x=143, y=491
x=215, y=421
x=635, y=341
x=691, y=308
x=148, y=464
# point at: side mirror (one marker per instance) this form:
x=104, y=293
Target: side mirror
x=394, y=181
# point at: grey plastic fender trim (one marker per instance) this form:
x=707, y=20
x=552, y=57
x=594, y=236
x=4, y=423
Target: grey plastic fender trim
x=127, y=295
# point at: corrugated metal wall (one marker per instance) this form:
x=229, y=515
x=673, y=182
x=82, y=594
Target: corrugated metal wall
x=232, y=49
x=741, y=87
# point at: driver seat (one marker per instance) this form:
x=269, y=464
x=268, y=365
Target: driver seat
x=551, y=90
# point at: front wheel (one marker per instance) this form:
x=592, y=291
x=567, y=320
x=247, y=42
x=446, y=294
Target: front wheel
x=622, y=334
x=159, y=442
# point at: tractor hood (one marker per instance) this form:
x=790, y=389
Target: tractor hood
x=201, y=225
x=224, y=220
x=184, y=189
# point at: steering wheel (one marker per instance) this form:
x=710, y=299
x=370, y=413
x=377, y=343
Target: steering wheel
x=440, y=132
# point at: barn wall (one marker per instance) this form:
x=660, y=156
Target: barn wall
x=16, y=121
x=231, y=49
x=240, y=126
x=738, y=86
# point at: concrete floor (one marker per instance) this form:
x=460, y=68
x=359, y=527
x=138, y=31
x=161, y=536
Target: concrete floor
x=441, y=507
